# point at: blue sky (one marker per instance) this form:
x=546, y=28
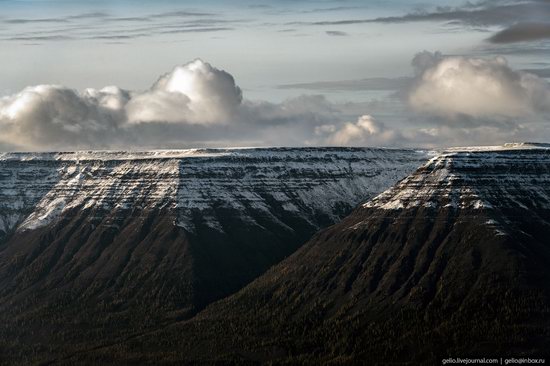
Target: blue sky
x=357, y=55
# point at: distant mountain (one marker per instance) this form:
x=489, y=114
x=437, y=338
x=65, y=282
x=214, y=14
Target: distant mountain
x=97, y=247
x=453, y=261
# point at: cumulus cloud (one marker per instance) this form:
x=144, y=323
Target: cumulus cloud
x=51, y=116
x=337, y=33
x=365, y=132
x=193, y=105
x=193, y=93
x=49, y=112
x=477, y=88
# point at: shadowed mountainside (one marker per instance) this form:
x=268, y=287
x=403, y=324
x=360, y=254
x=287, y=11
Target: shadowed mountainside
x=454, y=261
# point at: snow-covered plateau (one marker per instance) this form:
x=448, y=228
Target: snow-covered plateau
x=38, y=188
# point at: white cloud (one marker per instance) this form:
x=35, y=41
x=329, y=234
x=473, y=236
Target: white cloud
x=365, y=132
x=56, y=117
x=324, y=129
x=47, y=112
x=193, y=105
x=193, y=93
x=474, y=87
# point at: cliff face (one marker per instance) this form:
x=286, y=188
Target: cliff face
x=453, y=261
x=95, y=246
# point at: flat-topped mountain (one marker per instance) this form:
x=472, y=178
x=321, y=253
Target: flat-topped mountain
x=100, y=246
x=38, y=188
x=453, y=261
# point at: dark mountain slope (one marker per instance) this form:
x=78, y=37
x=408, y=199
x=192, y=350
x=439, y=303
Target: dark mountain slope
x=454, y=261
x=122, y=243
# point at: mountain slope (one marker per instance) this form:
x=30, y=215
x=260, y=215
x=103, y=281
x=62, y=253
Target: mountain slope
x=453, y=261
x=113, y=243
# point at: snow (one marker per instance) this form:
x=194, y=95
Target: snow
x=303, y=181
x=43, y=215
x=37, y=188
x=22, y=185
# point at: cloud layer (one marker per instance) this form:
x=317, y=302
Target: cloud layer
x=472, y=13
x=448, y=101
x=107, y=27
x=522, y=32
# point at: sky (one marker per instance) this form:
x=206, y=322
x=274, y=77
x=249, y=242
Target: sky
x=172, y=74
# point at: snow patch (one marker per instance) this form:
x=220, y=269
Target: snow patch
x=44, y=214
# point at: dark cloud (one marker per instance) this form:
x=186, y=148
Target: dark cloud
x=337, y=33
x=39, y=38
x=332, y=9
x=123, y=32
x=522, y=32
x=182, y=14
x=539, y=50
x=104, y=26
x=120, y=36
x=523, y=20
x=92, y=15
x=259, y=6
x=130, y=19
x=107, y=17
x=492, y=14
x=479, y=14
x=36, y=20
